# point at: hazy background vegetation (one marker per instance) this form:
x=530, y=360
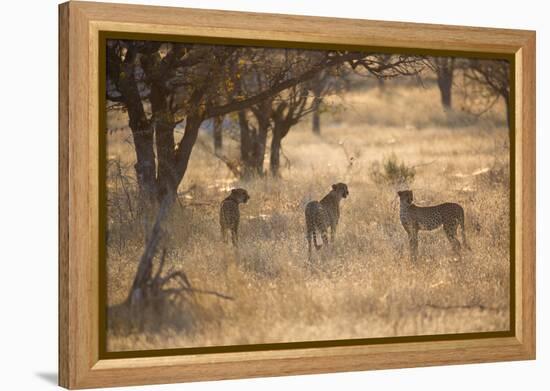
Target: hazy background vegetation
x=378, y=133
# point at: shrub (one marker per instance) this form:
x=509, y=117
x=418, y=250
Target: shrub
x=392, y=172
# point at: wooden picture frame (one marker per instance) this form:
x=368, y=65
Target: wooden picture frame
x=80, y=27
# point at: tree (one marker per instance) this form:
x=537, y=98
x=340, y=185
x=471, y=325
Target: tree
x=488, y=81
x=267, y=67
x=254, y=138
x=254, y=123
x=444, y=68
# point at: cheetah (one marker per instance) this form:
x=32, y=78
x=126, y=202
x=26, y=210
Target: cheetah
x=230, y=215
x=320, y=215
x=415, y=218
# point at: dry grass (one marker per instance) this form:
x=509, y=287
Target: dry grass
x=366, y=287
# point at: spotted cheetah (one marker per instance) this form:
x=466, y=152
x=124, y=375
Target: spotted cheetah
x=320, y=215
x=415, y=218
x=230, y=215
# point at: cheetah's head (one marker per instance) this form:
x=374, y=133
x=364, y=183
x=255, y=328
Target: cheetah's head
x=341, y=189
x=406, y=196
x=240, y=195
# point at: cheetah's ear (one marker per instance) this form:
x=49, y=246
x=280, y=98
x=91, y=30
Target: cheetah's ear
x=334, y=187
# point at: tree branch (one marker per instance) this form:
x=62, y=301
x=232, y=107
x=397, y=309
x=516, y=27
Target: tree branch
x=278, y=87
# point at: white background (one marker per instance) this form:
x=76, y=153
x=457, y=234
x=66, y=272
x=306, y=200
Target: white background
x=28, y=191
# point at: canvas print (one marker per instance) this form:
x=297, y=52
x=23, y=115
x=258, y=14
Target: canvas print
x=265, y=195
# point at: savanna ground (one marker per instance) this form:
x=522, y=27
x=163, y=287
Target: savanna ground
x=366, y=286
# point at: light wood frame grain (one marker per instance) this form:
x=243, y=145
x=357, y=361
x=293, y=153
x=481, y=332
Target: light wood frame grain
x=80, y=365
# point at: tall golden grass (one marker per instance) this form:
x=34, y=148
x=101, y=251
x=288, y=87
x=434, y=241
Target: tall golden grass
x=365, y=286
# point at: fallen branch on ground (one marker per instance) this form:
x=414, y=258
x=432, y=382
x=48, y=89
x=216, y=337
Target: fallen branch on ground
x=181, y=278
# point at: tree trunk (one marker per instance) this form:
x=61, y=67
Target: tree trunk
x=261, y=142
x=166, y=177
x=185, y=146
x=142, y=132
x=164, y=125
x=444, y=82
x=253, y=144
x=138, y=291
x=246, y=145
x=445, y=73
x=280, y=130
x=316, y=115
x=275, y=153
x=217, y=132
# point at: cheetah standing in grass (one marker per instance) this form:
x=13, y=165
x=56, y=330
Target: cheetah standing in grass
x=415, y=218
x=230, y=215
x=320, y=215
